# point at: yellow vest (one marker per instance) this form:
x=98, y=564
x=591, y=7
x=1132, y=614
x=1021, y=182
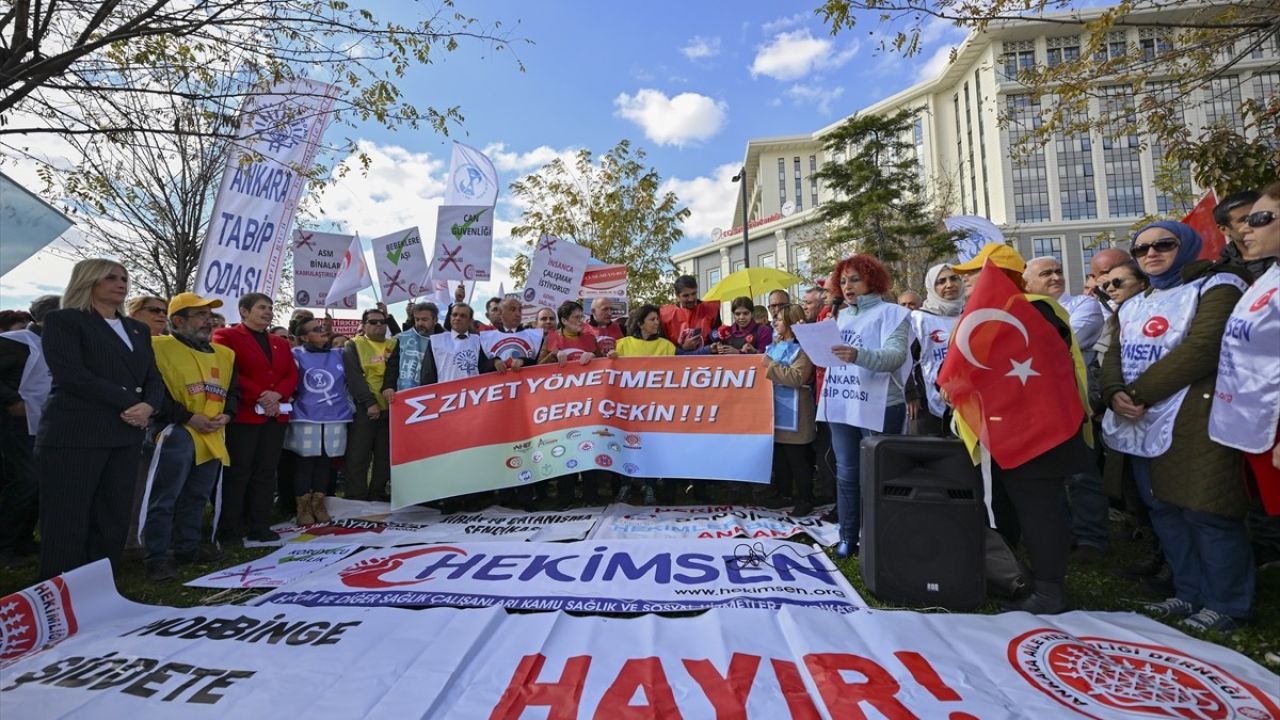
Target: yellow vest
x=373, y=361
x=970, y=435
x=199, y=382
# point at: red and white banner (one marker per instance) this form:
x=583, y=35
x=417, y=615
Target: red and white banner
x=607, y=281
x=605, y=576
x=628, y=522
x=697, y=417
x=139, y=662
x=403, y=527
x=279, y=568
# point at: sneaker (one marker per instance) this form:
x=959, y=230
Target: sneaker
x=202, y=554
x=1173, y=608
x=264, y=535
x=1211, y=621
x=802, y=509
x=161, y=571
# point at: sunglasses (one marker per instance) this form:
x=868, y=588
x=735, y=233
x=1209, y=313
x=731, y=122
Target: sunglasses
x=156, y=310
x=1160, y=246
x=1115, y=283
x=375, y=322
x=1262, y=218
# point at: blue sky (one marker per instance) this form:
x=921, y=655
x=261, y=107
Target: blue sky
x=689, y=82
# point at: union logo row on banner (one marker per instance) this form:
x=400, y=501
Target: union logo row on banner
x=121, y=659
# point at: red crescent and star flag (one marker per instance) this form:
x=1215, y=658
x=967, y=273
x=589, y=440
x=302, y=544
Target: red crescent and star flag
x=1201, y=218
x=1009, y=376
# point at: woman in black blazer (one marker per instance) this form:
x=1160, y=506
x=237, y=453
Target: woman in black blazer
x=89, y=443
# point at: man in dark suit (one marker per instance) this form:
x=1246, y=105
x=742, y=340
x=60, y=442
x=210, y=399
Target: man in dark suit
x=89, y=442
x=267, y=376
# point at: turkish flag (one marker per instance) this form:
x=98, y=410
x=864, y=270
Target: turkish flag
x=1201, y=218
x=1009, y=375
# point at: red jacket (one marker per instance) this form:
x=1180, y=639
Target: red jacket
x=677, y=321
x=255, y=374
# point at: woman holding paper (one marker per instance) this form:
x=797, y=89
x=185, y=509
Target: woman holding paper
x=793, y=413
x=863, y=396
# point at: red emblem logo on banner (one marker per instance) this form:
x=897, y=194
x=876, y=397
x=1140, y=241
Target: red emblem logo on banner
x=1262, y=301
x=1155, y=327
x=35, y=618
x=1103, y=678
x=368, y=573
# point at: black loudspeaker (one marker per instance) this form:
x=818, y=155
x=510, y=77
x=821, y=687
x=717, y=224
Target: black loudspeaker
x=923, y=522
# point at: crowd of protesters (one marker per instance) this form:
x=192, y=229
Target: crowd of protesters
x=126, y=419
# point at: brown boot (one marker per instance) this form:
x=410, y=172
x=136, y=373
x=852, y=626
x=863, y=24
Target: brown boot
x=318, y=509
x=304, y=510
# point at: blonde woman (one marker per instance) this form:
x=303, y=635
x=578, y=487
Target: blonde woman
x=105, y=389
x=151, y=311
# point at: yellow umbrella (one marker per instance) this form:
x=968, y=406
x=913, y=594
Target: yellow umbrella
x=752, y=282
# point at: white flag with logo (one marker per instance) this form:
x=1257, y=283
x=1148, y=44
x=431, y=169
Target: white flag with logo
x=472, y=178
x=977, y=231
x=280, y=129
x=401, y=264
x=464, y=243
x=353, y=276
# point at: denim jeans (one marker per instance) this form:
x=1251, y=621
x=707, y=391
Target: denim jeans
x=175, y=510
x=1209, y=554
x=846, y=442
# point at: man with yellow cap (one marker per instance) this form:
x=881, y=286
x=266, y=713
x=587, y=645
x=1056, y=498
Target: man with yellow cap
x=1028, y=497
x=191, y=447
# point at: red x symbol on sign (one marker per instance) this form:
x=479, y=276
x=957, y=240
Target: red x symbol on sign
x=393, y=281
x=451, y=257
x=304, y=241
x=547, y=243
x=243, y=575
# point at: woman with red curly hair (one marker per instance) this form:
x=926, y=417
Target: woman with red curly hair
x=864, y=396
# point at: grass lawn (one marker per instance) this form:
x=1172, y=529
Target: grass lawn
x=1095, y=587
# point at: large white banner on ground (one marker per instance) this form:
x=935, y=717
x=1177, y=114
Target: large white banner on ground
x=142, y=662
x=279, y=568
x=621, y=577
x=710, y=522
x=419, y=525
x=402, y=267
x=464, y=243
x=317, y=258
x=266, y=172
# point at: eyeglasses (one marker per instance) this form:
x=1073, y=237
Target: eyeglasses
x=1160, y=246
x=375, y=322
x=1262, y=218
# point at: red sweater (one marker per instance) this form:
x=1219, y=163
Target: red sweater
x=255, y=374
x=676, y=321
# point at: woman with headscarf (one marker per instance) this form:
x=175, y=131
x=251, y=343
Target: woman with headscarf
x=1158, y=383
x=863, y=397
x=932, y=325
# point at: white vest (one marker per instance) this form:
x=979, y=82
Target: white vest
x=455, y=359
x=36, y=380
x=934, y=335
x=1151, y=326
x=852, y=394
x=1246, y=402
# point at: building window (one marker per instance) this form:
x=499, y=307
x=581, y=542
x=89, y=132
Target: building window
x=799, y=187
x=1018, y=56
x=738, y=265
x=1269, y=47
x=1090, y=245
x=1048, y=247
x=1122, y=156
x=1225, y=98
x=813, y=182
x=1062, y=50
x=955, y=100
x=769, y=260
x=713, y=277
x=1030, y=186
x=982, y=148
x=1176, y=202
x=782, y=183
x=968, y=132
x=1076, y=190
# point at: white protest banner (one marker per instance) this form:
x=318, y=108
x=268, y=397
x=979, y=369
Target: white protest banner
x=464, y=243
x=974, y=232
x=606, y=281
x=555, y=272
x=472, y=178
x=801, y=664
x=342, y=509
x=358, y=531
x=27, y=224
x=498, y=523
x=402, y=265
x=279, y=568
x=280, y=131
x=317, y=258
x=605, y=576
x=353, y=274
x=628, y=522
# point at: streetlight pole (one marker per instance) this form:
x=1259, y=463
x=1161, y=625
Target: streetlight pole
x=746, y=237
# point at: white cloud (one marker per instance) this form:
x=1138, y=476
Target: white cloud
x=815, y=95
x=936, y=64
x=679, y=120
x=793, y=55
x=700, y=48
x=710, y=200
x=508, y=161
x=785, y=22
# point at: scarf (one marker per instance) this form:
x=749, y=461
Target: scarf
x=1188, y=250
x=934, y=303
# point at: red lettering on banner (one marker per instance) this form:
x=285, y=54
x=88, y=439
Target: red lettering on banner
x=930, y=680
x=799, y=702
x=647, y=675
x=524, y=690
x=727, y=695
x=843, y=698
